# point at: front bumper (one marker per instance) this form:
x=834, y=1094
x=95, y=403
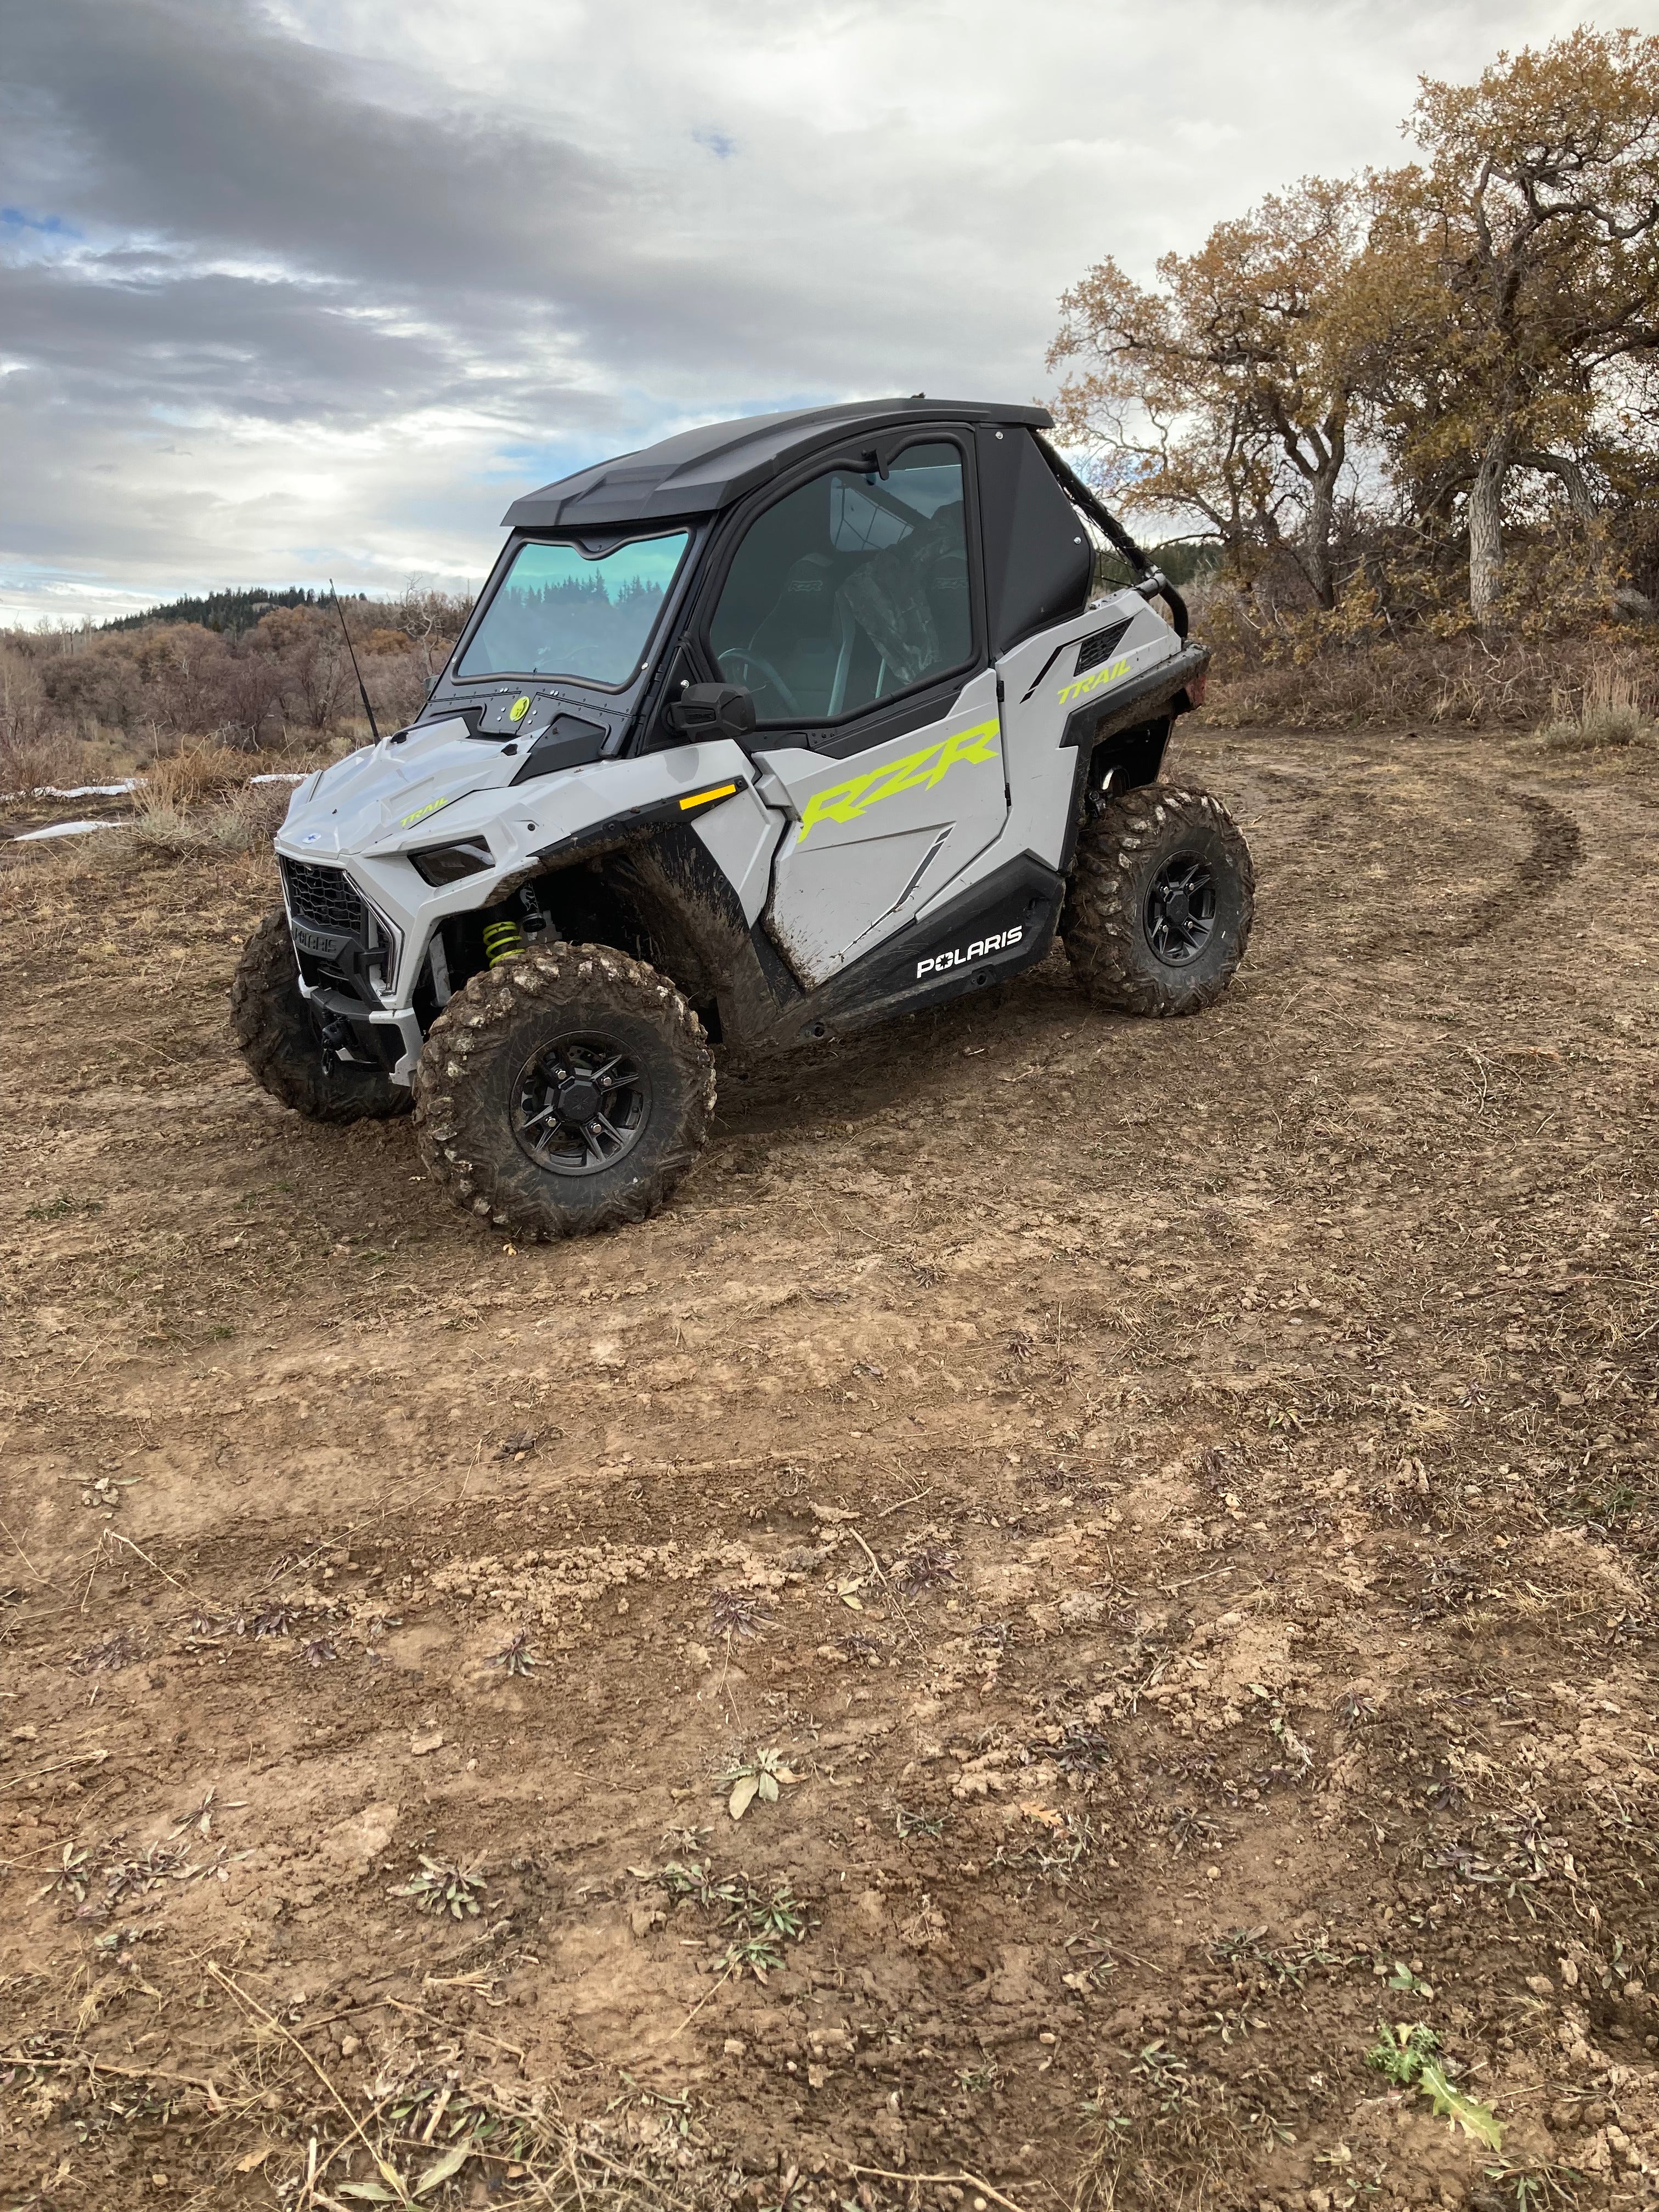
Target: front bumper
x=348, y=954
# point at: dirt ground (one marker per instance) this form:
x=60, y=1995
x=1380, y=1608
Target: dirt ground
x=1158, y=1520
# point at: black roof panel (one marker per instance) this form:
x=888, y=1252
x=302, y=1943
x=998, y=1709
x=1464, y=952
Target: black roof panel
x=701, y=470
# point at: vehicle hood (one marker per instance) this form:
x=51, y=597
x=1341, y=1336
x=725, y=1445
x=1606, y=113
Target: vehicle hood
x=375, y=795
x=439, y=784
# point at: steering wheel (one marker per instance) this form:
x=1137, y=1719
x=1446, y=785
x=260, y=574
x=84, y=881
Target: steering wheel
x=749, y=664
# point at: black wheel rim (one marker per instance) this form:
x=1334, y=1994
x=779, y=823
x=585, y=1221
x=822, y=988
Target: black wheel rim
x=1181, y=910
x=581, y=1104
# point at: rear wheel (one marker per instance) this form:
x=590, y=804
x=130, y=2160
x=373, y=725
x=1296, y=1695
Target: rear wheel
x=1158, y=909
x=279, y=1039
x=564, y=1091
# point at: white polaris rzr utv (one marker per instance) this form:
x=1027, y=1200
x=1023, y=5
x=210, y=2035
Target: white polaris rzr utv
x=775, y=729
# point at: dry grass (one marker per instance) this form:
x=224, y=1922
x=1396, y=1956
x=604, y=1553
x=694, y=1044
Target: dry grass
x=47, y=886
x=198, y=800
x=1609, y=712
x=1422, y=683
x=242, y=820
x=35, y=763
x=193, y=774
x=433, y=2125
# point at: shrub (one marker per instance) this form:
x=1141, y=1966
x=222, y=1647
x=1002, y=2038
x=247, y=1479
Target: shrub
x=245, y=686
x=192, y=775
x=240, y=821
x=1608, y=712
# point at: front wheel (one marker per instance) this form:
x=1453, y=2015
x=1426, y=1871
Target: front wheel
x=1158, y=909
x=565, y=1091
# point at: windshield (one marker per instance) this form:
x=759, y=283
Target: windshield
x=560, y=611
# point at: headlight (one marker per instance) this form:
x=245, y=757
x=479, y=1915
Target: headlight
x=448, y=863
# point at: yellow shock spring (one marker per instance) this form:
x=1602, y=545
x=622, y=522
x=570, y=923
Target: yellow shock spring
x=501, y=939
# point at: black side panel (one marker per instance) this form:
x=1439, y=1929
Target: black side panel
x=682, y=915
x=1134, y=757
x=567, y=742
x=994, y=930
x=1038, y=561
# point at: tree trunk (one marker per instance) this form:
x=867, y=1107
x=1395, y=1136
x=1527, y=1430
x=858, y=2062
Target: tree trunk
x=1627, y=603
x=1316, y=539
x=1486, y=528
x=1317, y=454
x=1572, y=479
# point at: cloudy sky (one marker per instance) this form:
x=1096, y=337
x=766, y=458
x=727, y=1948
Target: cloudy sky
x=296, y=287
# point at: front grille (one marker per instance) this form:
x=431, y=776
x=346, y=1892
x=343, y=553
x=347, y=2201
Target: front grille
x=1101, y=646
x=323, y=897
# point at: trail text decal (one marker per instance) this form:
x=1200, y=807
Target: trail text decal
x=407, y=821
x=964, y=953
x=1093, y=680
x=845, y=802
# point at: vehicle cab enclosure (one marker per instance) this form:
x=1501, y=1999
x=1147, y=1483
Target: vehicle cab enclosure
x=804, y=710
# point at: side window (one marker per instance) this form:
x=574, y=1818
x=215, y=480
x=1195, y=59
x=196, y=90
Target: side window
x=850, y=589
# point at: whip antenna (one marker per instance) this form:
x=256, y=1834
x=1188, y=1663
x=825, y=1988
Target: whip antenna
x=362, y=689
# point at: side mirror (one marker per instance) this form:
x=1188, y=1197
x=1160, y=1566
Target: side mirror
x=713, y=710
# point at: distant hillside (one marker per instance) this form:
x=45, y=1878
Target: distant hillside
x=231, y=612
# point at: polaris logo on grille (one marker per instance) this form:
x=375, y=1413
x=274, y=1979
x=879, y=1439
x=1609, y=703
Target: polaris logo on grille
x=941, y=961
x=311, y=940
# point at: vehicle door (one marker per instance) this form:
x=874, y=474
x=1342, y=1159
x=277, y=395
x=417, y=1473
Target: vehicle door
x=851, y=612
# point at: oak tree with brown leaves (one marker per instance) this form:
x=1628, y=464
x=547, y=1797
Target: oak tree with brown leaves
x=1227, y=391
x=1460, y=327
x=1530, y=235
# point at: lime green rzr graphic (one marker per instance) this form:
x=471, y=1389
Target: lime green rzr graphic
x=845, y=802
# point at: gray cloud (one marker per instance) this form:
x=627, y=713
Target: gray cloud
x=302, y=285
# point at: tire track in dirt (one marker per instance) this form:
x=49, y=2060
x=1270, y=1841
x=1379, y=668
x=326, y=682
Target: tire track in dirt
x=1556, y=853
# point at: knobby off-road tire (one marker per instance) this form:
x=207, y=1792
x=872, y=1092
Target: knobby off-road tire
x=512, y=1040
x=273, y=1025
x=1158, y=909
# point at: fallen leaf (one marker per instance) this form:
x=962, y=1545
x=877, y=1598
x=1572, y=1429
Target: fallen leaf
x=1451, y=2103
x=440, y=2169
x=1045, y=1813
x=743, y=1795
x=254, y=2158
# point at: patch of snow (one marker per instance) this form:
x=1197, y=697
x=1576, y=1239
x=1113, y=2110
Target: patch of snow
x=61, y=829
